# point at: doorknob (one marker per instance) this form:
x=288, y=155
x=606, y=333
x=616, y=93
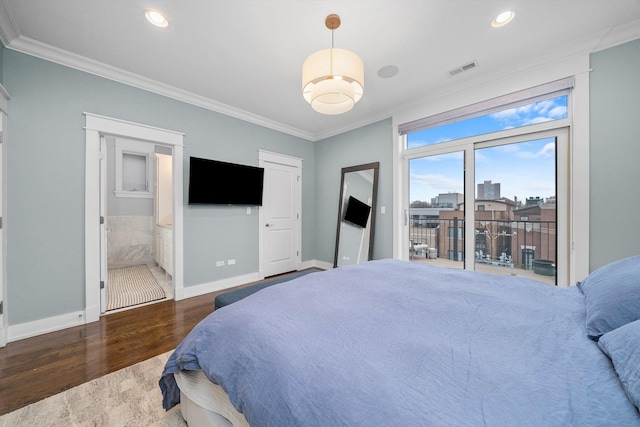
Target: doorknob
x=269, y=225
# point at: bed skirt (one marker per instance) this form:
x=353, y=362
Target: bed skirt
x=203, y=403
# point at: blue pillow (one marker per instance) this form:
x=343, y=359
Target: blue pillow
x=612, y=296
x=623, y=348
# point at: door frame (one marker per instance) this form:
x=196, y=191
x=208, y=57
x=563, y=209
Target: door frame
x=95, y=127
x=282, y=159
x=4, y=324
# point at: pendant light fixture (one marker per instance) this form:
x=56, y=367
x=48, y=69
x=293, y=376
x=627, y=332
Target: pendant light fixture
x=332, y=79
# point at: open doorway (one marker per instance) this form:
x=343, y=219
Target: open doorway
x=136, y=204
x=97, y=129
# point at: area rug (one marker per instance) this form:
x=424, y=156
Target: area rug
x=128, y=397
x=130, y=286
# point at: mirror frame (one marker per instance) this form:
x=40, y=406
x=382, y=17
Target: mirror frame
x=374, y=196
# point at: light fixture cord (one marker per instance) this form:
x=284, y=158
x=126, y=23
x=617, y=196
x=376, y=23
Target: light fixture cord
x=331, y=56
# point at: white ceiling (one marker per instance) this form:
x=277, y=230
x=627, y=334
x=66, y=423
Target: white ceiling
x=244, y=57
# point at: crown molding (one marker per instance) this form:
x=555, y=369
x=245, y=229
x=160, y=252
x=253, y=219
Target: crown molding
x=8, y=28
x=619, y=35
x=356, y=125
x=59, y=56
x=11, y=38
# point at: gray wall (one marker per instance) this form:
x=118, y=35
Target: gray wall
x=45, y=182
x=614, y=154
x=45, y=176
x=373, y=143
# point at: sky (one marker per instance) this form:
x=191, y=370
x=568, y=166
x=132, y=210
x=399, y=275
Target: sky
x=525, y=169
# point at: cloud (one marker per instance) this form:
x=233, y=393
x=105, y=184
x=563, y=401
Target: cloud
x=548, y=151
x=456, y=155
x=435, y=183
x=537, y=112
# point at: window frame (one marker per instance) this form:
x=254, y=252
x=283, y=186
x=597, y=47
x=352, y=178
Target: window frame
x=558, y=128
x=136, y=148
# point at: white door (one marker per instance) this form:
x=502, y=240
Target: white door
x=280, y=214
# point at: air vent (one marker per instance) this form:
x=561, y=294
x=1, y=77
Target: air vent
x=465, y=67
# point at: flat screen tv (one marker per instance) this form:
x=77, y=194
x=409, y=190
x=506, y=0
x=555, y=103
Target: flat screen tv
x=212, y=182
x=357, y=212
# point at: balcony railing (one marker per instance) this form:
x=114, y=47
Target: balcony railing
x=526, y=245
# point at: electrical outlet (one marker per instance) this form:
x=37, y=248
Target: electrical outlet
x=219, y=263
x=231, y=262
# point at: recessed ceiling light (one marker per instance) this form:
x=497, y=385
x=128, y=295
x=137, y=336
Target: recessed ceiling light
x=156, y=18
x=503, y=19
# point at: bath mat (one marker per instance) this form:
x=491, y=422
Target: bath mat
x=132, y=286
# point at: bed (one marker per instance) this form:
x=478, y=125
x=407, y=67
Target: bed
x=396, y=343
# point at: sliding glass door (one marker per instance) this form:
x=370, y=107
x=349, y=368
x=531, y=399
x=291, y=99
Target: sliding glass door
x=515, y=213
x=495, y=203
x=436, y=222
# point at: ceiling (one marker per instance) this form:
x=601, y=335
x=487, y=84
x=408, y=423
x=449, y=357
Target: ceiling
x=244, y=58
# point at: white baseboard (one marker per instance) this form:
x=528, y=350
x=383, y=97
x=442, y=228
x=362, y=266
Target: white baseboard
x=92, y=314
x=218, y=285
x=44, y=326
x=316, y=264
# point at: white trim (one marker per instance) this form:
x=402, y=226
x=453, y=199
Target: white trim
x=133, y=194
x=579, y=142
x=12, y=39
x=91, y=225
x=95, y=126
x=123, y=146
x=77, y=318
x=46, y=325
x=400, y=213
x=118, y=127
x=559, y=129
x=3, y=235
x=100, y=69
x=316, y=264
x=219, y=285
x=232, y=282
x=4, y=99
x=8, y=29
x=282, y=159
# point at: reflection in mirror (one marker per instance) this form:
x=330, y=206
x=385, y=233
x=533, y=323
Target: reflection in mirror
x=356, y=214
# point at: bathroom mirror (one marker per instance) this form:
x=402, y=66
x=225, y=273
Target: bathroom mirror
x=356, y=214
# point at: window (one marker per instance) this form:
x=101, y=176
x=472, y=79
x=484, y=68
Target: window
x=511, y=159
x=133, y=168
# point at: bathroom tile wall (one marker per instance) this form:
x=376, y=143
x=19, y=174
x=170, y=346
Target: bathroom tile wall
x=129, y=240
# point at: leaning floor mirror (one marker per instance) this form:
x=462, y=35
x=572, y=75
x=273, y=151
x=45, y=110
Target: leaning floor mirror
x=356, y=214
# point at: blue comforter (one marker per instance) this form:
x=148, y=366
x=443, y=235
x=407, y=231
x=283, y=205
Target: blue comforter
x=405, y=344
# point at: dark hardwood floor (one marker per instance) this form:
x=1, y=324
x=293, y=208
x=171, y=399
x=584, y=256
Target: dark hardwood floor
x=35, y=368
